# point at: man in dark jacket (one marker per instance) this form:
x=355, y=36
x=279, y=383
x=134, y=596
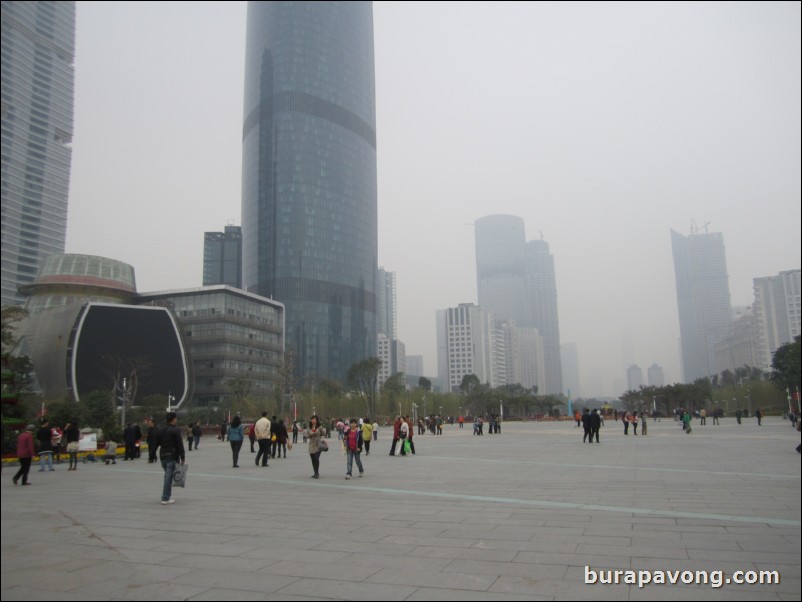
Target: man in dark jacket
x=595, y=423
x=170, y=444
x=152, y=432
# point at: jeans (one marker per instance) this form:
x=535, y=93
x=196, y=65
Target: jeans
x=354, y=455
x=316, y=462
x=197, y=441
x=45, y=457
x=169, y=471
x=235, y=447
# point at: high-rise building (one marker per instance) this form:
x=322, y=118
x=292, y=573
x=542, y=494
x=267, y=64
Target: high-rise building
x=541, y=286
x=500, y=273
x=703, y=299
x=656, y=376
x=414, y=365
x=387, y=309
x=38, y=41
x=309, y=211
x=634, y=378
x=739, y=346
x=222, y=257
x=569, y=361
x=523, y=355
x=777, y=313
x=467, y=344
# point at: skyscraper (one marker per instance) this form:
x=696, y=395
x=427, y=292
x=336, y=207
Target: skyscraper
x=37, y=110
x=777, y=313
x=387, y=309
x=500, y=274
x=703, y=299
x=222, y=257
x=541, y=286
x=309, y=213
x=656, y=376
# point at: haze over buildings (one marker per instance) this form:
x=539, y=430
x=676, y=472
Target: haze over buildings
x=703, y=101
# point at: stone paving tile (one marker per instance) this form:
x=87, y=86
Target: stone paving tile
x=527, y=526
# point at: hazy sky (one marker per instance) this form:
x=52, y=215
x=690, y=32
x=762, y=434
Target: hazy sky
x=603, y=125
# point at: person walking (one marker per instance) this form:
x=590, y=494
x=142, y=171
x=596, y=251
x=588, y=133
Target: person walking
x=170, y=444
x=44, y=438
x=197, y=431
x=295, y=430
x=396, y=433
x=633, y=418
x=353, y=448
x=282, y=436
x=585, y=420
x=151, y=439
x=403, y=434
x=314, y=435
x=594, y=421
x=759, y=416
x=262, y=428
x=625, y=420
x=25, y=453
x=236, y=435
x=190, y=438
x=73, y=435
x=367, y=434
x=252, y=436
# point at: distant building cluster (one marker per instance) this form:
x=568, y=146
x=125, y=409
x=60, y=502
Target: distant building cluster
x=512, y=336
x=308, y=243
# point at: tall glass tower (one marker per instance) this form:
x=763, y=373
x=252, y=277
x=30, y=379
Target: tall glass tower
x=703, y=299
x=309, y=216
x=37, y=113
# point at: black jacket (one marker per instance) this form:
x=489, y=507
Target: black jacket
x=170, y=443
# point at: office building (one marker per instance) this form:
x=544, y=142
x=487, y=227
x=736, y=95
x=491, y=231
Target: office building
x=777, y=313
x=703, y=300
x=467, y=344
x=569, y=362
x=541, y=286
x=634, y=378
x=656, y=376
x=309, y=211
x=230, y=335
x=387, y=308
x=222, y=257
x=37, y=123
x=500, y=273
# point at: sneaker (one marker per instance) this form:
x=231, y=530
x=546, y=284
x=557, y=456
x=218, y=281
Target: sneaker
x=348, y=476
x=170, y=501
x=361, y=473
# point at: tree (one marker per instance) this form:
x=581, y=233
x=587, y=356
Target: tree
x=10, y=315
x=363, y=379
x=425, y=384
x=469, y=383
x=785, y=365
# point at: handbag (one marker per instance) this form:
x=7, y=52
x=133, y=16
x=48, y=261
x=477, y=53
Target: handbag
x=180, y=475
x=322, y=445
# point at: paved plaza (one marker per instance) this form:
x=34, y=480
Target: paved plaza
x=516, y=516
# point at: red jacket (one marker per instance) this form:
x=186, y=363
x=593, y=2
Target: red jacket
x=25, y=445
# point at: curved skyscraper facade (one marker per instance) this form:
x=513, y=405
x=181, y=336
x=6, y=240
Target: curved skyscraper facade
x=309, y=221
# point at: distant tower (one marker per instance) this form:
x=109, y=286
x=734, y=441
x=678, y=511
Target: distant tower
x=222, y=257
x=309, y=210
x=656, y=376
x=500, y=266
x=37, y=113
x=387, y=323
x=569, y=356
x=703, y=300
x=634, y=378
x=777, y=313
x=541, y=286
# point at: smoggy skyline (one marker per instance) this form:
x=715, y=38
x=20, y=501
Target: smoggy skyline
x=603, y=126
